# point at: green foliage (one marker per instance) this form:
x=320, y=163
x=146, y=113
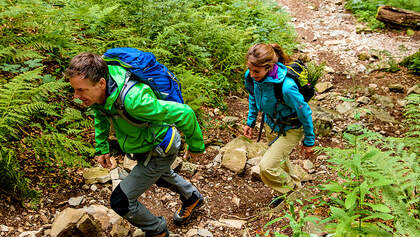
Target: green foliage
x=23, y=101
x=198, y=37
x=373, y=184
x=412, y=62
x=365, y=10
x=315, y=71
x=296, y=222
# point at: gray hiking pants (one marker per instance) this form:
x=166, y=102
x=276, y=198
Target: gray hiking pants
x=124, y=199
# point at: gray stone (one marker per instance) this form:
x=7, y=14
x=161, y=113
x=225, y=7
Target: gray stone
x=75, y=201
x=177, y=163
x=254, y=161
x=236, y=201
x=384, y=100
x=189, y=168
x=29, y=233
x=118, y=173
x=382, y=115
x=396, y=88
x=237, y=224
x=373, y=86
x=139, y=233
x=115, y=183
x=346, y=106
x=255, y=172
x=95, y=175
x=329, y=70
x=402, y=103
x=415, y=89
x=322, y=122
x=4, y=228
x=308, y=165
x=129, y=163
x=66, y=221
x=93, y=187
x=192, y=232
x=230, y=120
x=204, y=232
x=363, y=100
x=322, y=87
x=235, y=159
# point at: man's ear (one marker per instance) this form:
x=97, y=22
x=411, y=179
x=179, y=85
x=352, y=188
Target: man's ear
x=102, y=83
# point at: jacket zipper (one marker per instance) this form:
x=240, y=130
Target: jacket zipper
x=125, y=139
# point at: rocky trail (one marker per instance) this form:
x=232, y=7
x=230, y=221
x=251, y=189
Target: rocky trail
x=236, y=200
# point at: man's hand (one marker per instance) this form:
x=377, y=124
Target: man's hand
x=307, y=152
x=189, y=154
x=105, y=160
x=248, y=131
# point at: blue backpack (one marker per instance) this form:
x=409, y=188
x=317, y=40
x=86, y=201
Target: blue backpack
x=147, y=70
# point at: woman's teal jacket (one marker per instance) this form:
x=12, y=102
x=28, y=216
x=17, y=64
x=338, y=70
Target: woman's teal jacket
x=263, y=99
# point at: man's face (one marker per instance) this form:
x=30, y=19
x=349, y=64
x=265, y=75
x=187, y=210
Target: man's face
x=258, y=73
x=87, y=91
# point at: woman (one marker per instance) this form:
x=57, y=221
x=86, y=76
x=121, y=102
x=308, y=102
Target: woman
x=266, y=67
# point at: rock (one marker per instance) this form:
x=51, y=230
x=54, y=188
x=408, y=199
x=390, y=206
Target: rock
x=177, y=163
x=382, y=115
x=316, y=228
x=328, y=70
x=189, y=168
x=66, y=221
x=118, y=173
x=139, y=233
x=230, y=120
x=363, y=100
x=254, y=161
x=235, y=159
x=308, y=165
x=103, y=215
x=204, y=233
x=396, y=88
x=88, y=226
x=95, y=175
x=4, y=228
x=384, y=100
x=322, y=122
x=75, y=201
x=191, y=233
x=29, y=233
x=85, y=187
x=236, y=201
x=233, y=223
x=415, y=89
x=253, y=149
x=255, y=172
x=373, y=86
x=113, y=163
x=115, y=183
x=321, y=87
x=402, y=103
x=120, y=229
x=346, y=106
x=217, y=159
x=93, y=187
x=129, y=163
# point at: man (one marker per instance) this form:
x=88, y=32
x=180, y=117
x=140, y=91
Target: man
x=155, y=145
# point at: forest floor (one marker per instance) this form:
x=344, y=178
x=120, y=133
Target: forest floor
x=329, y=34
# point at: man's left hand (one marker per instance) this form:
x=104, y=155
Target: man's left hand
x=189, y=154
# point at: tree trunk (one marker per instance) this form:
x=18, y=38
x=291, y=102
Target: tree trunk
x=398, y=17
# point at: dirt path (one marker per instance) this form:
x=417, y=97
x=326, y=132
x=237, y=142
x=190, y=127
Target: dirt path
x=329, y=34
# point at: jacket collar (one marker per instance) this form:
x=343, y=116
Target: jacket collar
x=275, y=75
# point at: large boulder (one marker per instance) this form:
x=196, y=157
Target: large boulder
x=75, y=222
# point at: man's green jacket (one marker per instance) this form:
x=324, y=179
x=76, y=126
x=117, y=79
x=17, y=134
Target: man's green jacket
x=141, y=103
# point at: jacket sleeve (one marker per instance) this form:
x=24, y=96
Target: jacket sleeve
x=142, y=104
x=294, y=99
x=101, y=132
x=252, y=112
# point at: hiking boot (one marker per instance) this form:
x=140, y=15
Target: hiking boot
x=183, y=214
x=164, y=233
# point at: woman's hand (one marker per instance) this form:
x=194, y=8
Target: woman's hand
x=307, y=152
x=248, y=131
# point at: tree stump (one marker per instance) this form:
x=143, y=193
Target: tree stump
x=398, y=17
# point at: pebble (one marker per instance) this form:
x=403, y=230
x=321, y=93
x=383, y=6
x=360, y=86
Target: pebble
x=4, y=228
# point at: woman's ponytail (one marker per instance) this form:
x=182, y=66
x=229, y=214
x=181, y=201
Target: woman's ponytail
x=281, y=55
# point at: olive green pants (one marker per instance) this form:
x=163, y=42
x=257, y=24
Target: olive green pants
x=275, y=168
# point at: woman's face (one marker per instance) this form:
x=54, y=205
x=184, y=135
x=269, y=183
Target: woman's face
x=258, y=73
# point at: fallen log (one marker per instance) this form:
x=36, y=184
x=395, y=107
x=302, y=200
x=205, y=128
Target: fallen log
x=398, y=17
